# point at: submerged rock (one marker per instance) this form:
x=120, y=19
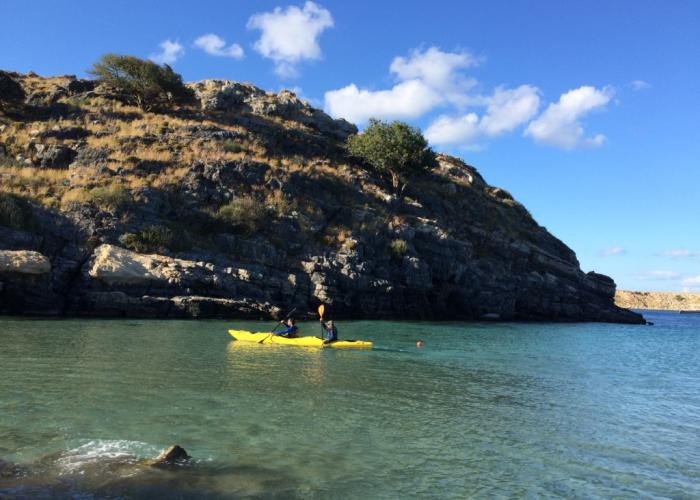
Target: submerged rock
x=174, y=455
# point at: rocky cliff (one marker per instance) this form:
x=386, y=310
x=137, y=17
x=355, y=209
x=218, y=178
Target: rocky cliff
x=246, y=205
x=660, y=301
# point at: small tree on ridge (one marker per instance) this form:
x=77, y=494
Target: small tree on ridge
x=395, y=148
x=142, y=82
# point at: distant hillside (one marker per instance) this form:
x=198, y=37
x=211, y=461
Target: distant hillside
x=667, y=301
x=245, y=203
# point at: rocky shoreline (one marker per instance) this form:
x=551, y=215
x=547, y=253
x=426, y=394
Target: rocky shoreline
x=116, y=212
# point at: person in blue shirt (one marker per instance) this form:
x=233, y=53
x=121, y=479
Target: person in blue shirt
x=329, y=332
x=291, y=330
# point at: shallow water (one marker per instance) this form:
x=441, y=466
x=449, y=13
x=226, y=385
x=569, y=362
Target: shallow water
x=484, y=409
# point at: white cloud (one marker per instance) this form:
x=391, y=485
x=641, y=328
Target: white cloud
x=426, y=79
x=216, y=46
x=659, y=275
x=559, y=124
x=290, y=35
x=169, y=53
x=679, y=253
x=609, y=252
x=437, y=70
x=454, y=130
x=639, y=85
x=405, y=101
x=506, y=109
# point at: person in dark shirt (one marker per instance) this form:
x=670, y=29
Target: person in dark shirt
x=291, y=330
x=329, y=332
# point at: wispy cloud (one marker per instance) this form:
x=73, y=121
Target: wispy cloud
x=214, y=45
x=559, y=125
x=612, y=251
x=679, y=253
x=291, y=35
x=170, y=51
x=659, y=275
x=639, y=85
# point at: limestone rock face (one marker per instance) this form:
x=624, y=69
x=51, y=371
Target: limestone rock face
x=225, y=95
x=249, y=205
x=114, y=265
x=24, y=262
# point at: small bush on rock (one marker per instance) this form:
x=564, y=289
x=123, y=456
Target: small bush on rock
x=16, y=212
x=398, y=248
x=110, y=198
x=149, y=239
x=231, y=146
x=244, y=213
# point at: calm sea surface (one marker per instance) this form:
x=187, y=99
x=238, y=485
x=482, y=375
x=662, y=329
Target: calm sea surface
x=482, y=410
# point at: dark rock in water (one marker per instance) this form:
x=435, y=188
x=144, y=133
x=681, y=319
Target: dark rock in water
x=9, y=470
x=174, y=455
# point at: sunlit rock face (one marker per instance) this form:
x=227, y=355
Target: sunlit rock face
x=246, y=204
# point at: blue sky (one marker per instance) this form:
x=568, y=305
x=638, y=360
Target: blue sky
x=588, y=112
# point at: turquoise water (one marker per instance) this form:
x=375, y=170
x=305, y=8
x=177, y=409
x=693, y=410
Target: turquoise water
x=482, y=410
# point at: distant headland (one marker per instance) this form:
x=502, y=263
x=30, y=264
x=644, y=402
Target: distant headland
x=663, y=301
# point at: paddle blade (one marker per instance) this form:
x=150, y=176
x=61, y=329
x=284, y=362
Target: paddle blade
x=321, y=310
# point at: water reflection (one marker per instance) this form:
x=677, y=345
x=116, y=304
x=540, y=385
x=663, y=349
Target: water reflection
x=271, y=361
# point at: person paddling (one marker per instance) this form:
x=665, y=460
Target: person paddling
x=329, y=332
x=291, y=330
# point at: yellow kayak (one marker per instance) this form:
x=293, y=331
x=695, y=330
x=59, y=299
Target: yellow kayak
x=268, y=338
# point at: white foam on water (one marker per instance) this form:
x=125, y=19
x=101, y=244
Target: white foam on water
x=95, y=450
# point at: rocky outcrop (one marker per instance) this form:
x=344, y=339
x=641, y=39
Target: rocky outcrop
x=24, y=262
x=228, y=96
x=661, y=301
x=248, y=206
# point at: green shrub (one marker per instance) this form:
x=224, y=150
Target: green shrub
x=149, y=239
x=244, y=213
x=142, y=82
x=231, y=146
x=110, y=198
x=398, y=248
x=16, y=212
x=394, y=148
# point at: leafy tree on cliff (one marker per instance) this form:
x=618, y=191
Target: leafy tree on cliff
x=142, y=82
x=395, y=148
x=10, y=90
